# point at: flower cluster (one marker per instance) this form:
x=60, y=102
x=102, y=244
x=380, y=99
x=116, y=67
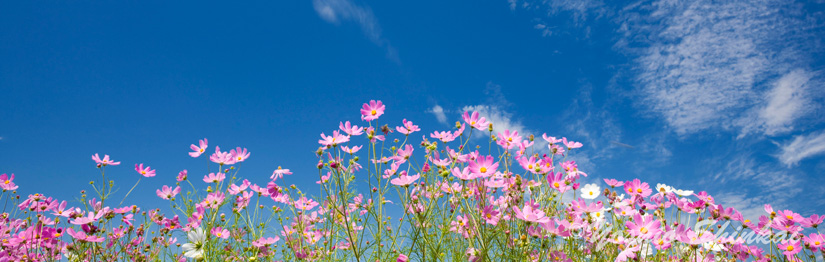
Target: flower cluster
x=449, y=196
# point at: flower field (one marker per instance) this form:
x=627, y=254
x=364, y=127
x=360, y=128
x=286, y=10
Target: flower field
x=388, y=191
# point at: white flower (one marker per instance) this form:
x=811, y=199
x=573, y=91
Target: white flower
x=662, y=188
x=598, y=215
x=590, y=191
x=194, y=248
x=683, y=192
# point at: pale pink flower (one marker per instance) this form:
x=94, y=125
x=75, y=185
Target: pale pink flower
x=333, y=140
x=238, y=154
x=105, y=161
x=474, y=121
x=214, y=178
x=531, y=213
x=167, y=192
x=220, y=232
x=570, y=144
x=7, y=182
x=222, y=158
x=483, y=166
x=146, y=172
x=350, y=129
x=198, y=150
x=408, y=128
x=404, y=180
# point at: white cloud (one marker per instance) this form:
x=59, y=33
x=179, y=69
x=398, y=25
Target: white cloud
x=802, y=146
x=786, y=102
x=438, y=111
x=334, y=11
x=705, y=63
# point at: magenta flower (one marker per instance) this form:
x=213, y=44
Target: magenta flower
x=214, y=178
x=637, y=187
x=474, y=121
x=490, y=215
x=7, y=183
x=483, y=166
x=408, y=128
x=220, y=232
x=372, y=110
x=182, y=175
x=105, y=161
x=815, y=241
x=81, y=236
x=531, y=214
x=167, y=192
x=402, y=258
x=333, y=140
x=789, y=247
x=557, y=181
x=214, y=200
x=198, y=150
x=238, y=154
x=146, y=172
x=404, y=180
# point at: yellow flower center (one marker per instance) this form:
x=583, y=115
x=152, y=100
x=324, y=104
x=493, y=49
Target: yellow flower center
x=142, y=172
x=790, y=217
x=789, y=248
x=817, y=243
x=529, y=166
x=556, y=184
x=472, y=123
x=7, y=182
x=661, y=242
x=591, y=193
x=643, y=230
x=201, y=150
x=482, y=170
x=639, y=190
x=373, y=112
x=747, y=220
x=509, y=139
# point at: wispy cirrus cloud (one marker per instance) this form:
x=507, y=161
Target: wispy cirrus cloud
x=335, y=11
x=801, y=147
x=732, y=65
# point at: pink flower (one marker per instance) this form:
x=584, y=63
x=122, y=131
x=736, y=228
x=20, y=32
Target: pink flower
x=105, y=161
x=636, y=187
x=815, y=241
x=333, y=140
x=214, y=200
x=463, y=174
x=570, y=144
x=220, y=232
x=182, y=175
x=474, y=121
x=372, y=110
x=490, y=215
x=305, y=204
x=402, y=258
x=508, y=140
x=214, y=178
x=551, y=140
x=198, y=150
x=444, y=136
x=789, y=247
x=483, y=166
x=167, y=192
x=531, y=213
x=7, y=183
x=350, y=129
x=557, y=181
x=404, y=180
x=645, y=227
x=239, y=155
x=352, y=150
x=279, y=173
x=81, y=236
x=408, y=128
x=222, y=158
x=146, y=172
x=613, y=182
x=627, y=254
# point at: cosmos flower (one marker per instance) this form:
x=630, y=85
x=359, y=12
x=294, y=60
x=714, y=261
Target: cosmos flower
x=105, y=161
x=146, y=172
x=372, y=110
x=198, y=150
x=194, y=249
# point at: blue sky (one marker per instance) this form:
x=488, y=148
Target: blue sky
x=722, y=97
